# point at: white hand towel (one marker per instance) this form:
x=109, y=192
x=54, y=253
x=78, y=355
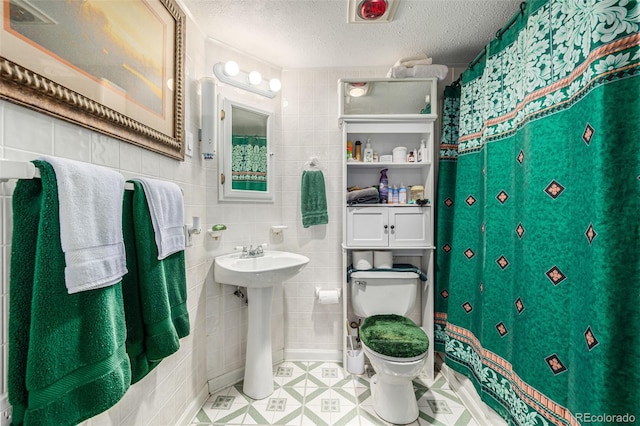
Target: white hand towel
x=423, y=71
x=413, y=60
x=166, y=207
x=90, y=199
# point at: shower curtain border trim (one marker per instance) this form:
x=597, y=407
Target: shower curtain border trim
x=543, y=404
x=624, y=43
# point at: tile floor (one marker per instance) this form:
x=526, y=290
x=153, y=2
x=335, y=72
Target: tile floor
x=322, y=393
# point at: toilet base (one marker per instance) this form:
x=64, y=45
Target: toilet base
x=394, y=400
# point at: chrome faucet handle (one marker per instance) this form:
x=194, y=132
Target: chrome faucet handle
x=243, y=248
x=261, y=247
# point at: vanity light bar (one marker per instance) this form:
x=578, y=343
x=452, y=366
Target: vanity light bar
x=230, y=73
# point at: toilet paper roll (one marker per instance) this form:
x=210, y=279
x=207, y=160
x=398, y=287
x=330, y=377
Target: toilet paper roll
x=383, y=259
x=363, y=259
x=328, y=297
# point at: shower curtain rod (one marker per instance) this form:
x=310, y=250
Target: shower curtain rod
x=500, y=33
x=10, y=169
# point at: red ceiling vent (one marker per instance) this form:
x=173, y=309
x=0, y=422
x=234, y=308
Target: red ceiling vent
x=371, y=10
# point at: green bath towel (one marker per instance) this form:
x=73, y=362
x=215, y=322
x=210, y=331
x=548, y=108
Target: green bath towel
x=67, y=358
x=155, y=291
x=313, y=199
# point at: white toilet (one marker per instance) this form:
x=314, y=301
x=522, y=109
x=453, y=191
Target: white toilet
x=395, y=345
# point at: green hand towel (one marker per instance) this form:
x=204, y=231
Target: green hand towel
x=155, y=291
x=67, y=358
x=313, y=199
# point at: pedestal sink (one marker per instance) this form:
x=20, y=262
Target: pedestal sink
x=258, y=275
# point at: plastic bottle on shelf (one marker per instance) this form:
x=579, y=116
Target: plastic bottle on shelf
x=383, y=189
x=358, y=151
x=349, y=150
x=368, y=152
x=422, y=152
x=396, y=195
x=402, y=194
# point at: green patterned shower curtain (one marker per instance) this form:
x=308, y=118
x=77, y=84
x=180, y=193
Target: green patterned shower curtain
x=538, y=245
x=249, y=163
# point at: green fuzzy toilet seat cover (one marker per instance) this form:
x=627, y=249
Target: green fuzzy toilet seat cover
x=394, y=336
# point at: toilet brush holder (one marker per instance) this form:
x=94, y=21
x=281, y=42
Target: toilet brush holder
x=355, y=358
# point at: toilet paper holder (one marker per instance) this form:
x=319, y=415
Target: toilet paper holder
x=333, y=294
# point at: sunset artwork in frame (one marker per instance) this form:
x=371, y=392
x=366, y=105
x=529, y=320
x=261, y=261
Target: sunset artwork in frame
x=116, y=67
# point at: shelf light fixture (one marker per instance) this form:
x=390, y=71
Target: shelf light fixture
x=355, y=90
x=231, y=73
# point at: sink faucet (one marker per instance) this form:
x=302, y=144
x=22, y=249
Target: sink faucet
x=252, y=252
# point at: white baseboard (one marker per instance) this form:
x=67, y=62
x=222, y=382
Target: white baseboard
x=194, y=406
x=218, y=383
x=331, y=355
x=465, y=390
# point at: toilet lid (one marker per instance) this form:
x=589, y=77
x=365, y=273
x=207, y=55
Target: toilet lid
x=394, y=336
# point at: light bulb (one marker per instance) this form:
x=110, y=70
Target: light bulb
x=357, y=89
x=231, y=68
x=275, y=85
x=255, y=78
x=356, y=92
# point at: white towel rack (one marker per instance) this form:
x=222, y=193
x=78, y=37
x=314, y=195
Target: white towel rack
x=312, y=164
x=17, y=170
x=11, y=169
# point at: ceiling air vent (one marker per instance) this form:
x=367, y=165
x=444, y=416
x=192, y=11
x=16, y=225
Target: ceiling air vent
x=371, y=11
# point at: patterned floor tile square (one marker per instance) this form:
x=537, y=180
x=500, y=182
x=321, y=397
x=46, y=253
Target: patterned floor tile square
x=439, y=406
x=274, y=411
x=226, y=406
x=327, y=375
x=223, y=402
x=290, y=374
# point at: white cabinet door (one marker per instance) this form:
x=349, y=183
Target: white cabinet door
x=367, y=227
x=409, y=226
x=388, y=227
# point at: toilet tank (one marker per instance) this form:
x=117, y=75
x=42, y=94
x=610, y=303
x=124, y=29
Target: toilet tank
x=374, y=293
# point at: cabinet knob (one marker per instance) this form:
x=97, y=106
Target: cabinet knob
x=393, y=227
x=386, y=226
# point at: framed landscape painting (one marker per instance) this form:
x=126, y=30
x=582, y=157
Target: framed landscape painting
x=116, y=67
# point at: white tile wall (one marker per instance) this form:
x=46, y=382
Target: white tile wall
x=310, y=128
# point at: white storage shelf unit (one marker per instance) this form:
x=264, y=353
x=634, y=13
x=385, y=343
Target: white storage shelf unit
x=407, y=230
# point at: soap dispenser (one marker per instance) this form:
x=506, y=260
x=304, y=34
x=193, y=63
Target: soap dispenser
x=368, y=152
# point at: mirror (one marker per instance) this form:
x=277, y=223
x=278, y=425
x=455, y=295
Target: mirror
x=245, y=159
x=371, y=97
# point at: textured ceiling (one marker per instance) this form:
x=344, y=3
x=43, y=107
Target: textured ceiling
x=315, y=33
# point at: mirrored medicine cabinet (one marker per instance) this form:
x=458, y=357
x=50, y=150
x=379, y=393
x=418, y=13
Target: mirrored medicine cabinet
x=245, y=160
x=384, y=97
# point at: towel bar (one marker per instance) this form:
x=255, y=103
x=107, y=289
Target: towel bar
x=11, y=169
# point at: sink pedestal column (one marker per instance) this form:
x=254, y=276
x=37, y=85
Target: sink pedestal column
x=258, y=370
